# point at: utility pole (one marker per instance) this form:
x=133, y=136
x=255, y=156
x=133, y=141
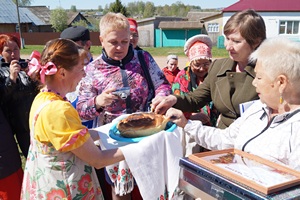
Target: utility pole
x=19, y=24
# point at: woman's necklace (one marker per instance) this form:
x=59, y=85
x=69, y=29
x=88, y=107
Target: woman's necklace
x=48, y=90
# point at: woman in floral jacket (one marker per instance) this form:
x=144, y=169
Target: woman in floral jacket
x=117, y=67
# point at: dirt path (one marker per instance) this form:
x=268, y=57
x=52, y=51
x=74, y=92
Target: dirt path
x=162, y=61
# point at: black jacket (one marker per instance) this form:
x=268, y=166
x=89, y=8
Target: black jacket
x=16, y=101
x=10, y=160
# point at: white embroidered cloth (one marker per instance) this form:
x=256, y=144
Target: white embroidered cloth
x=153, y=162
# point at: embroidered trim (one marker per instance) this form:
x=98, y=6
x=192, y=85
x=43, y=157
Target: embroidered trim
x=48, y=90
x=74, y=138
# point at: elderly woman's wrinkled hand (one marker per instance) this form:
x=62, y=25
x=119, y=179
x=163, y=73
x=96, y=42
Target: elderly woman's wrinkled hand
x=160, y=104
x=177, y=117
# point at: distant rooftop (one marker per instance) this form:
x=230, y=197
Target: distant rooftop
x=265, y=5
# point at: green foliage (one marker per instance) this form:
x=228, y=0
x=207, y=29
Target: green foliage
x=100, y=8
x=23, y=2
x=73, y=8
x=95, y=24
x=80, y=23
x=149, y=10
x=140, y=9
x=136, y=8
x=161, y=51
x=59, y=19
x=117, y=7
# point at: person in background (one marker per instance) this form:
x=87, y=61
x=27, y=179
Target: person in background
x=18, y=89
x=171, y=70
x=62, y=153
x=269, y=128
x=228, y=82
x=81, y=36
x=118, y=67
x=134, y=34
x=198, y=51
x=11, y=172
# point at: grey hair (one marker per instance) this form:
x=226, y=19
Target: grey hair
x=279, y=55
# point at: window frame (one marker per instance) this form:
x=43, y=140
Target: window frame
x=289, y=27
x=213, y=27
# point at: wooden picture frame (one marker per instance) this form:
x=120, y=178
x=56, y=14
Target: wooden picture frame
x=248, y=170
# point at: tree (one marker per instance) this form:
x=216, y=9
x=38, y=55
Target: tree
x=131, y=8
x=59, y=19
x=100, y=8
x=149, y=10
x=94, y=24
x=23, y=2
x=141, y=7
x=80, y=23
x=136, y=9
x=73, y=8
x=117, y=7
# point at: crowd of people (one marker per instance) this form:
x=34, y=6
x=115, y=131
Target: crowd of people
x=63, y=159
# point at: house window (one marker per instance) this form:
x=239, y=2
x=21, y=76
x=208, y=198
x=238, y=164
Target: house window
x=213, y=27
x=289, y=27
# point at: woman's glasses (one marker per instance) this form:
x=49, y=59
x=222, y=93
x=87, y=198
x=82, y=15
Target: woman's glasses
x=199, y=65
x=134, y=35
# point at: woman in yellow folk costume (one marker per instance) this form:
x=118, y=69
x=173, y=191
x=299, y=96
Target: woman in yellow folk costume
x=62, y=154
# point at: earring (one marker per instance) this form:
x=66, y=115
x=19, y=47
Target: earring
x=280, y=99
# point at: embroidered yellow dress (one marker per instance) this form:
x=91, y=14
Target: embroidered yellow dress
x=52, y=171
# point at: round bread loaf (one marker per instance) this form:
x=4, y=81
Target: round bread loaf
x=142, y=124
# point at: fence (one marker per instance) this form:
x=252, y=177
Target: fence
x=36, y=38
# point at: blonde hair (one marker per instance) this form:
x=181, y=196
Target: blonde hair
x=113, y=21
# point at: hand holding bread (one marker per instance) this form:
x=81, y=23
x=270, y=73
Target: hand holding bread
x=142, y=124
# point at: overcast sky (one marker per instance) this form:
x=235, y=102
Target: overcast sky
x=93, y=4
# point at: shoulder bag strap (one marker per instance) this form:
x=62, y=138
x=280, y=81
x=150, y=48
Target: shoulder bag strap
x=148, y=78
x=125, y=84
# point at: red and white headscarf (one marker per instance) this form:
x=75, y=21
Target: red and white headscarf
x=133, y=25
x=198, y=47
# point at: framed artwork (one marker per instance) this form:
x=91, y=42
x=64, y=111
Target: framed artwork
x=248, y=170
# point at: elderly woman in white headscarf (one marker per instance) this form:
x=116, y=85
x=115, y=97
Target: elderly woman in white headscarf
x=270, y=128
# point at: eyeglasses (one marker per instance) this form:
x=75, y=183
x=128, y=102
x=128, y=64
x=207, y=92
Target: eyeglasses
x=134, y=35
x=199, y=65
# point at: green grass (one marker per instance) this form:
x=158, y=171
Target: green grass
x=161, y=51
